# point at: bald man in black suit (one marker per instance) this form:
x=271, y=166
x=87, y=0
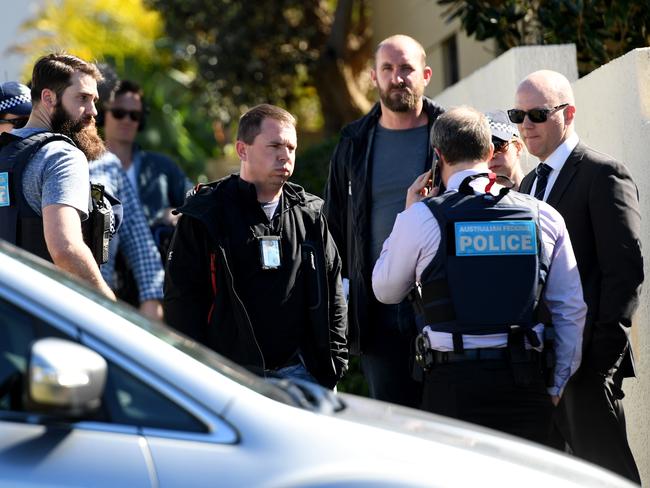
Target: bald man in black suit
x=599, y=202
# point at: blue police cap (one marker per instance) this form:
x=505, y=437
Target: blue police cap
x=15, y=98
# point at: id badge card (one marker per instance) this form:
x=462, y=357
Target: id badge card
x=5, y=201
x=270, y=251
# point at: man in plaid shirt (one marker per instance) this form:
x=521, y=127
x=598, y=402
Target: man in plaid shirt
x=133, y=239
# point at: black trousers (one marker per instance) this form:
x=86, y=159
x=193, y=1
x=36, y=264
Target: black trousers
x=484, y=392
x=387, y=360
x=591, y=419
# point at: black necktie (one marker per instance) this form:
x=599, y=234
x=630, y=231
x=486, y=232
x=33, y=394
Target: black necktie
x=542, y=171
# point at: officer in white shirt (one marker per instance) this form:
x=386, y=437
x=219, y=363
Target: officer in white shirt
x=478, y=260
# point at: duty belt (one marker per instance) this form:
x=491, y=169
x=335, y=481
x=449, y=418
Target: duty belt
x=426, y=357
x=485, y=354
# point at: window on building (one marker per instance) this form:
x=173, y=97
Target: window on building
x=450, y=60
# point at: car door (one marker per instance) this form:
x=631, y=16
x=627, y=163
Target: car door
x=37, y=449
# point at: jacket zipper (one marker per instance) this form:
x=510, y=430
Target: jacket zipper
x=213, y=281
x=314, y=267
x=241, y=303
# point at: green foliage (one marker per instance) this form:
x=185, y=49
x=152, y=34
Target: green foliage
x=268, y=51
x=178, y=123
x=93, y=28
x=489, y=19
x=312, y=166
x=272, y=42
x=128, y=36
x=353, y=381
x=601, y=29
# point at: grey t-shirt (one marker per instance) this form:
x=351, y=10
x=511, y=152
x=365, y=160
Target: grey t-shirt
x=56, y=174
x=269, y=208
x=398, y=157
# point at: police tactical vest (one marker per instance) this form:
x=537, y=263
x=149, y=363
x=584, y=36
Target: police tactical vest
x=19, y=224
x=490, y=267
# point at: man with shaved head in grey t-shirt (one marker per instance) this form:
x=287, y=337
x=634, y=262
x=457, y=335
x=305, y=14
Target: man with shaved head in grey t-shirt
x=376, y=160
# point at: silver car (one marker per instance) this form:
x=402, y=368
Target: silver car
x=93, y=394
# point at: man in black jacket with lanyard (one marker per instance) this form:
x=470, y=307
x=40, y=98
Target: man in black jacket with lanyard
x=374, y=163
x=252, y=271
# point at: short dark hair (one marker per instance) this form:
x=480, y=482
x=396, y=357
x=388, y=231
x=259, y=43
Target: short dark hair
x=250, y=124
x=108, y=94
x=126, y=86
x=462, y=134
x=53, y=71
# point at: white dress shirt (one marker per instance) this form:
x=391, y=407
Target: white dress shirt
x=556, y=161
x=414, y=241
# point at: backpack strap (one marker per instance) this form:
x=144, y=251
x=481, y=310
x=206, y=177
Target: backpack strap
x=31, y=144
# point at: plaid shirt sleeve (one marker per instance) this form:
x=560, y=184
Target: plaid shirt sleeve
x=134, y=237
x=138, y=246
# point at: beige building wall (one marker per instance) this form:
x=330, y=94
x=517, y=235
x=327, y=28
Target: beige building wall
x=422, y=20
x=613, y=116
x=11, y=64
x=493, y=86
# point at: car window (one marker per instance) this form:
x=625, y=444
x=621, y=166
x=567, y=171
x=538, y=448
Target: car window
x=126, y=400
x=197, y=351
x=17, y=332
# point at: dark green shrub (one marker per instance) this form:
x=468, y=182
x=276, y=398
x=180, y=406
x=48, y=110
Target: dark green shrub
x=312, y=165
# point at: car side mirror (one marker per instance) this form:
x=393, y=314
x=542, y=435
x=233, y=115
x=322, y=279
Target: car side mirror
x=65, y=378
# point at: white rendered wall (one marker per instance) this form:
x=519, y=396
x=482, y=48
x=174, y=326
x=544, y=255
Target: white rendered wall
x=613, y=116
x=493, y=86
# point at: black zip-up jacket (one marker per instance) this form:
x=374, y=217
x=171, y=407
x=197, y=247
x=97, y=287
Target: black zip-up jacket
x=203, y=296
x=347, y=208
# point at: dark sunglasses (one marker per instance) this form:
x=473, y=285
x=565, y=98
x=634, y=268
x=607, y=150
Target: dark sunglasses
x=18, y=123
x=120, y=113
x=500, y=146
x=536, y=115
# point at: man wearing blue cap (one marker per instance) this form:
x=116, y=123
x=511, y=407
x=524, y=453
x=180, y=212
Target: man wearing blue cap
x=15, y=106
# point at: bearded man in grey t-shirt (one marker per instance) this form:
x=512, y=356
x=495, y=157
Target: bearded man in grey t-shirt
x=375, y=161
x=55, y=181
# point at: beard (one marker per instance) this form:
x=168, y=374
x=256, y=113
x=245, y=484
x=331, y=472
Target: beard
x=400, y=101
x=83, y=132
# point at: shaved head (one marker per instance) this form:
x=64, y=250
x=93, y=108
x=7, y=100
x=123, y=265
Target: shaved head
x=403, y=42
x=547, y=90
x=553, y=85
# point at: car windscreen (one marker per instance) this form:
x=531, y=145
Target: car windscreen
x=193, y=349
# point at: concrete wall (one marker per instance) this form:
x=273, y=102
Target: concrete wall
x=613, y=116
x=494, y=84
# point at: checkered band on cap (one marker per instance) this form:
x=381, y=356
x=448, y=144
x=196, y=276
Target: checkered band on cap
x=501, y=126
x=5, y=105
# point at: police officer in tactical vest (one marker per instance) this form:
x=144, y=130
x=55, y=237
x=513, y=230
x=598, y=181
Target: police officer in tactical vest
x=45, y=193
x=478, y=260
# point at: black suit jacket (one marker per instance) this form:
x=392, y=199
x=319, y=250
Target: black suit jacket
x=600, y=204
